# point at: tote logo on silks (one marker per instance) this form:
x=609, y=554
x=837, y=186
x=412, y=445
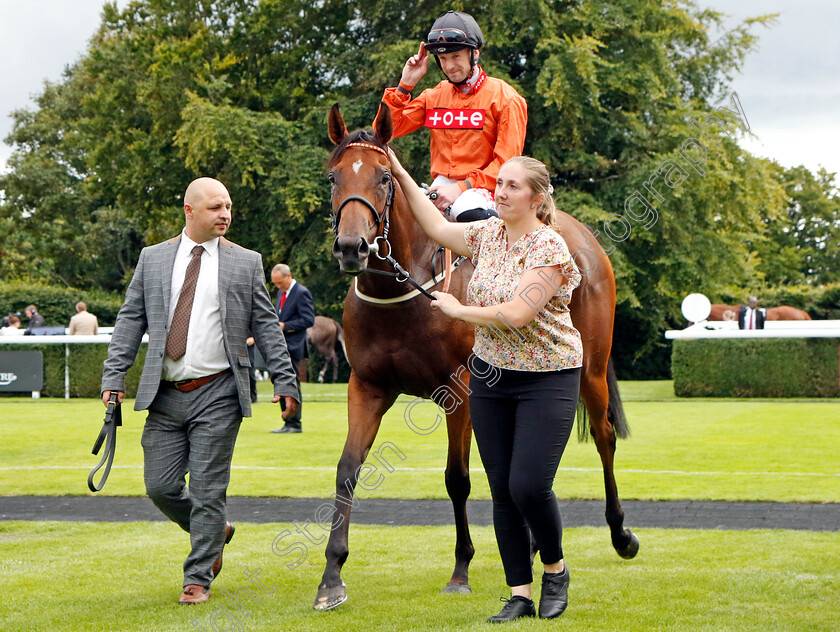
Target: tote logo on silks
x=443, y=118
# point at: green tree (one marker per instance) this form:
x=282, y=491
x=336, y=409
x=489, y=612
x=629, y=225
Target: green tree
x=803, y=244
x=240, y=89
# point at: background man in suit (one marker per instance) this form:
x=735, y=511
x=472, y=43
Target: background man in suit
x=199, y=297
x=83, y=322
x=296, y=313
x=750, y=316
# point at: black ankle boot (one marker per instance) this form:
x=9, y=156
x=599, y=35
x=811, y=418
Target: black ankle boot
x=555, y=594
x=515, y=608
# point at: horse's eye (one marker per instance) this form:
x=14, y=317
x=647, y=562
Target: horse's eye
x=386, y=177
x=331, y=177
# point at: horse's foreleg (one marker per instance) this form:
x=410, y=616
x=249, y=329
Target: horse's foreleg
x=458, y=486
x=366, y=404
x=595, y=393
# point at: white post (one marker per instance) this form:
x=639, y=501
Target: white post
x=66, y=371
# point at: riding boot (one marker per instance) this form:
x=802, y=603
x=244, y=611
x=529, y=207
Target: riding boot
x=476, y=214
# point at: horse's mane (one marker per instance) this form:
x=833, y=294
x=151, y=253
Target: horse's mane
x=360, y=136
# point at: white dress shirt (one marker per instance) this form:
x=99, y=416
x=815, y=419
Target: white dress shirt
x=205, y=352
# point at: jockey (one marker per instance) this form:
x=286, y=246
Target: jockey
x=477, y=122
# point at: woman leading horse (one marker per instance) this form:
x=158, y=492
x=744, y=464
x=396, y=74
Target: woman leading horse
x=529, y=355
x=396, y=343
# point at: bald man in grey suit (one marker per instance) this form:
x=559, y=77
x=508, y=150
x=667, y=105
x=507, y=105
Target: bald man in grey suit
x=197, y=392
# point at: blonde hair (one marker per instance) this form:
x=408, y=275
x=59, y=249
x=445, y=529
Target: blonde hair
x=537, y=180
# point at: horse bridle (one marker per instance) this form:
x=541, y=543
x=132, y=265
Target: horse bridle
x=382, y=219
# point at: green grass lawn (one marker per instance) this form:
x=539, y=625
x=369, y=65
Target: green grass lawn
x=719, y=449
x=72, y=577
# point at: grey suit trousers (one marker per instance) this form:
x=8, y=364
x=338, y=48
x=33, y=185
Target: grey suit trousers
x=193, y=432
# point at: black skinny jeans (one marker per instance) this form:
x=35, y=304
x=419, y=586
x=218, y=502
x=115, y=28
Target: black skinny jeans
x=522, y=422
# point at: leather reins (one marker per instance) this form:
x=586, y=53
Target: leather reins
x=108, y=435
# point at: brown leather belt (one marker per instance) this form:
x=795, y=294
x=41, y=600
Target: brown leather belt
x=185, y=386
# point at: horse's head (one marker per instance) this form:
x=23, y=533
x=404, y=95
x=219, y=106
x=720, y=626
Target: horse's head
x=362, y=188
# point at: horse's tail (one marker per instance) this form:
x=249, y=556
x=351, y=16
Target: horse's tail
x=582, y=421
x=615, y=410
x=339, y=337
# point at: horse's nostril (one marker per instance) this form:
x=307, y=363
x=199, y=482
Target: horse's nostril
x=350, y=251
x=363, y=248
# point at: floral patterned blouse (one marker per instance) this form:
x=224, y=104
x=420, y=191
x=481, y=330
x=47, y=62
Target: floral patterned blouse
x=549, y=342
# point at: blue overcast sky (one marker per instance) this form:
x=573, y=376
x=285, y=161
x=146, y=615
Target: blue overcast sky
x=789, y=88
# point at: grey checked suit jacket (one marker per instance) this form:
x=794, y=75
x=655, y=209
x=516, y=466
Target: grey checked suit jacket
x=246, y=310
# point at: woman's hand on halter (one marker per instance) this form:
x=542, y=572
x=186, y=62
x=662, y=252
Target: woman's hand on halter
x=446, y=303
x=397, y=170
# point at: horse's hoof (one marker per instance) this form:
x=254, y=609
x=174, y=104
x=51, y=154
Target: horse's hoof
x=629, y=552
x=457, y=588
x=330, y=597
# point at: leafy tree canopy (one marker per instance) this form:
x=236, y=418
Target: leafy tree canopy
x=239, y=89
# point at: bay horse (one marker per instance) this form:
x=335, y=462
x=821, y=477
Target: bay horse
x=326, y=335
x=786, y=312
x=397, y=344
x=718, y=310
x=781, y=312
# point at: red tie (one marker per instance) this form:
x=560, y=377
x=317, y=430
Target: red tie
x=752, y=319
x=282, y=300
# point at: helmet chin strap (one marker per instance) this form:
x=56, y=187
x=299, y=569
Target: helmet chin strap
x=469, y=74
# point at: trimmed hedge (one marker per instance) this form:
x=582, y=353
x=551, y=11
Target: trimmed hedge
x=85, y=364
x=57, y=303
x=765, y=367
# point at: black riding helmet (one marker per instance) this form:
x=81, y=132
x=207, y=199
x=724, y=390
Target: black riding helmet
x=454, y=31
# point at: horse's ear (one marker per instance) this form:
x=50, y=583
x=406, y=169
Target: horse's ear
x=338, y=130
x=383, y=124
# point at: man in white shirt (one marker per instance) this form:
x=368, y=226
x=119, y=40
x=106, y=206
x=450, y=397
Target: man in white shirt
x=751, y=316
x=199, y=297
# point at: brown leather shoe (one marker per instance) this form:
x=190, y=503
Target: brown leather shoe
x=217, y=565
x=193, y=593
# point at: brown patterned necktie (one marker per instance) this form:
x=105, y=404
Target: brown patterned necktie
x=176, y=344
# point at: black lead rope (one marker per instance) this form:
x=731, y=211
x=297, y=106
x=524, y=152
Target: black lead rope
x=108, y=435
x=402, y=275
x=406, y=276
